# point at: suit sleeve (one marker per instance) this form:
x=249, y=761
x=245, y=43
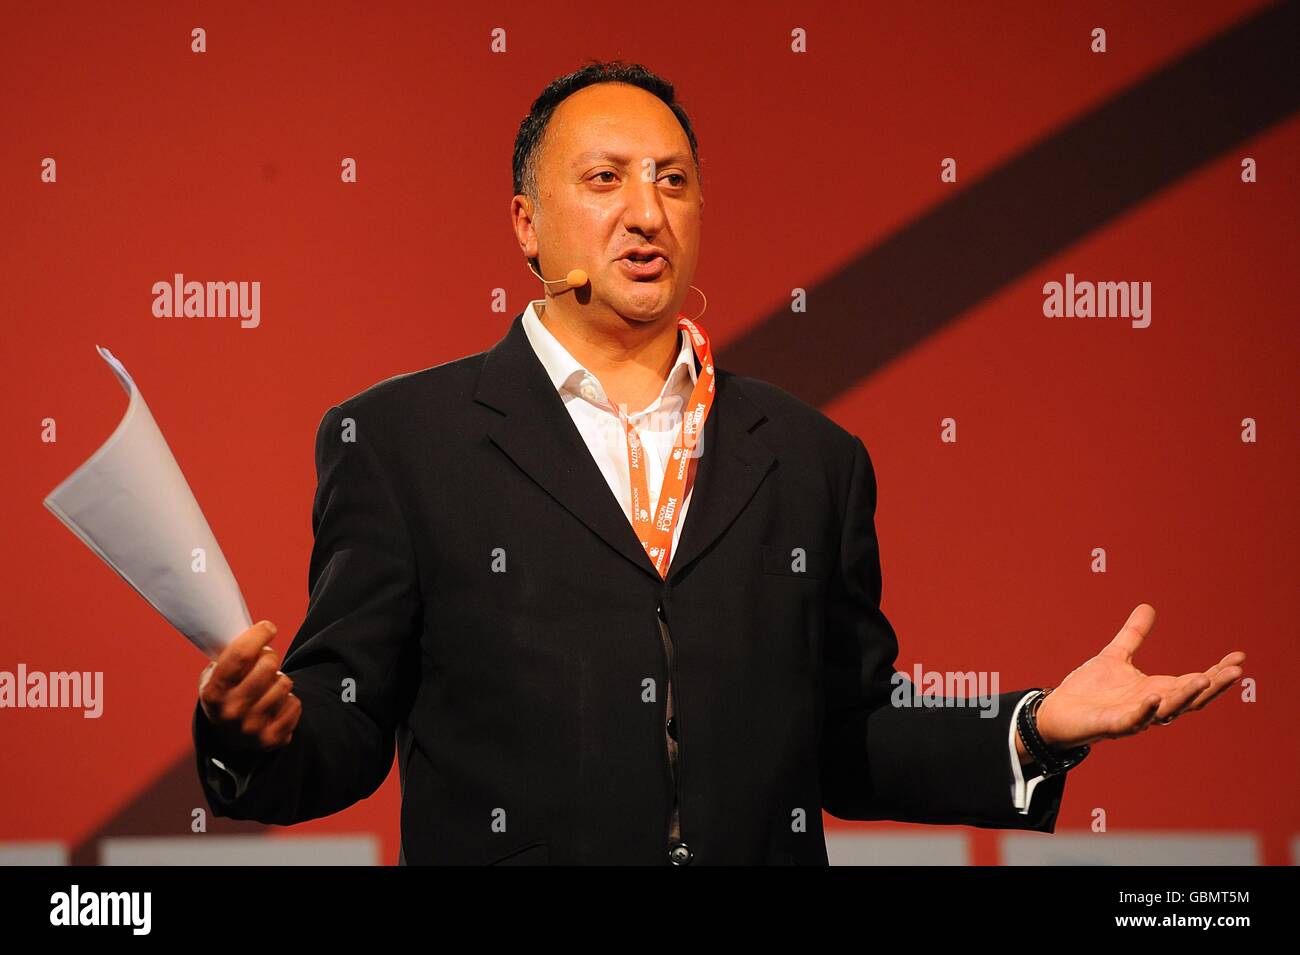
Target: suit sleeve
x=944, y=765
x=353, y=659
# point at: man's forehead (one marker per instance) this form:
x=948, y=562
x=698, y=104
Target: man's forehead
x=616, y=120
x=626, y=157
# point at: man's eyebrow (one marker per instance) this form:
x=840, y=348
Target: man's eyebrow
x=619, y=158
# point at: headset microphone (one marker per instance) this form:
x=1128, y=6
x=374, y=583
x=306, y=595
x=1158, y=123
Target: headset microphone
x=576, y=278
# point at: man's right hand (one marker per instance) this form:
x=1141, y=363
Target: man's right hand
x=246, y=698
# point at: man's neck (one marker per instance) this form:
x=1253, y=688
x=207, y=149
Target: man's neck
x=632, y=361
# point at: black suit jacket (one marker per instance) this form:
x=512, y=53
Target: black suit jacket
x=479, y=599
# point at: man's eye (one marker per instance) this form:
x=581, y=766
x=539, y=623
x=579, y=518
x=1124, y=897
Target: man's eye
x=605, y=172
x=677, y=175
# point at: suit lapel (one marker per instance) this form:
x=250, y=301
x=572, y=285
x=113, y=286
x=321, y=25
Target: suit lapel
x=538, y=434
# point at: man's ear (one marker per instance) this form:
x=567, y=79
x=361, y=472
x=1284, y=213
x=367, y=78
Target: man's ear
x=528, y=229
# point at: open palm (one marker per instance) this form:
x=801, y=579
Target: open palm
x=1108, y=696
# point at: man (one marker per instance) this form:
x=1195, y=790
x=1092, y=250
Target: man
x=600, y=636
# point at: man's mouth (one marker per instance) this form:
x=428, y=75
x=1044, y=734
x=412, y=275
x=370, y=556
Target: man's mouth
x=643, y=263
x=650, y=267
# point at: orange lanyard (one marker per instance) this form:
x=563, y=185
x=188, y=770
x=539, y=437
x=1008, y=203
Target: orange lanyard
x=656, y=535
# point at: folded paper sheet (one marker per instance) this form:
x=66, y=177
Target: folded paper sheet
x=132, y=506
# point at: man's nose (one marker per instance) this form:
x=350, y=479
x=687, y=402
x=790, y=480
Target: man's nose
x=645, y=211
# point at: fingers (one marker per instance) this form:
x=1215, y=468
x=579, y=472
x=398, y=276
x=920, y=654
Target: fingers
x=268, y=707
x=237, y=703
x=1138, y=718
x=239, y=679
x=1224, y=679
x=239, y=657
x=279, y=731
x=1185, y=691
x=1129, y=639
x=246, y=696
x=206, y=675
x=1222, y=675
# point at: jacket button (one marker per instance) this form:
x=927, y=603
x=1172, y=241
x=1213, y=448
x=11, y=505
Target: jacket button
x=659, y=611
x=679, y=853
x=672, y=728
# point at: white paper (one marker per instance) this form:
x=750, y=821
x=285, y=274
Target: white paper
x=131, y=505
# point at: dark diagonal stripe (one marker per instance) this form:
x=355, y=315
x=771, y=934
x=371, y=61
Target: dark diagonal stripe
x=1038, y=203
x=163, y=808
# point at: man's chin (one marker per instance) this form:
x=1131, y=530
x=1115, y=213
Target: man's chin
x=642, y=314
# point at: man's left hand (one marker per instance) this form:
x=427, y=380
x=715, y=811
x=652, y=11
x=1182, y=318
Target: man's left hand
x=1109, y=697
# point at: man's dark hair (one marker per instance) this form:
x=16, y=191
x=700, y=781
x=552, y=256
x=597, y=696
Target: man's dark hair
x=529, y=138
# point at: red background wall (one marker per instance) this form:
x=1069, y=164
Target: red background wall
x=1073, y=433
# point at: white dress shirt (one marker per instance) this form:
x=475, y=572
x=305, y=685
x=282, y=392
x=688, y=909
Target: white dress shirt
x=598, y=423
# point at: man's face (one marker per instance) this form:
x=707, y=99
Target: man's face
x=614, y=172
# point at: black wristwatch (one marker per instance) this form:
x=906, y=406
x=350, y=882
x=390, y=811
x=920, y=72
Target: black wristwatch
x=1051, y=762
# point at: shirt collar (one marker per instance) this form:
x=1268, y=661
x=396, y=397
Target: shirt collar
x=567, y=373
